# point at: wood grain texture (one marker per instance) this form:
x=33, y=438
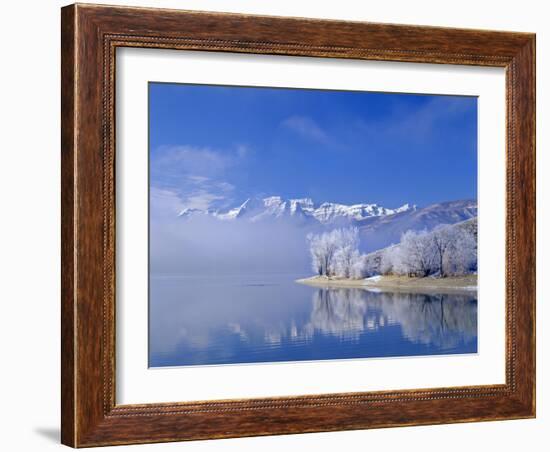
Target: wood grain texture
x=68, y=147
x=90, y=36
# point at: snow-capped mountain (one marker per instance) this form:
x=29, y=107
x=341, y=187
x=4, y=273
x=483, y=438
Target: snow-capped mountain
x=302, y=209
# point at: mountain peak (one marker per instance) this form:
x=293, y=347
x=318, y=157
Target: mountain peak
x=276, y=207
x=405, y=207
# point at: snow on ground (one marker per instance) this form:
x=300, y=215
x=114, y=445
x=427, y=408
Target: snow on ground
x=469, y=287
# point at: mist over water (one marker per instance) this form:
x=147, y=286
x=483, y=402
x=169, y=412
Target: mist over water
x=208, y=246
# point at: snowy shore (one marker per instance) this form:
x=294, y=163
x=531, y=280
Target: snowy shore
x=398, y=283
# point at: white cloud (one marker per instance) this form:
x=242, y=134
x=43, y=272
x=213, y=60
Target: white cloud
x=204, y=193
x=197, y=179
x=169, y=162
x=225, y=186
x=307, y=128
x=201, y=199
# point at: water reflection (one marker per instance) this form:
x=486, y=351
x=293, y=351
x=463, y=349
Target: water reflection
x=245, y=323
x=438, y=319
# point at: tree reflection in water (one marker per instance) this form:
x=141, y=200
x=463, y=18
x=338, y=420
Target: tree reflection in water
x=442, y=320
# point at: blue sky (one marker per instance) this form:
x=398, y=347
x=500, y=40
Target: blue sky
x=214, y=146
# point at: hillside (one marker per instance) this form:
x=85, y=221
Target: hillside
x=381, y=232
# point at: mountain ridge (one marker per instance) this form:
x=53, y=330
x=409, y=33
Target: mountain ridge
x=258, y=209
x=378, y=226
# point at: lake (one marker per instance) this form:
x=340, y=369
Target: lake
x=270, y=318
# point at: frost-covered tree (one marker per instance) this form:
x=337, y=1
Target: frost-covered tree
x=322, y=248
x=346, y=255
x=462, y=254
x=388, y=260
x=322, y=251
x=417, y=253
x=358, y=267
x=442, y=239
x=335, y=253
x=445, y=251
x=315, y=252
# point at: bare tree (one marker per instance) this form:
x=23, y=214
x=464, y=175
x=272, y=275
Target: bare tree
x=462, y=254
x=447, y=250
x=417, y=252
x=388, y=260
x=334, y=253
x=346, y=254
x=322, y=248
x=442, y=238
x=358, y=267
x=317, y=258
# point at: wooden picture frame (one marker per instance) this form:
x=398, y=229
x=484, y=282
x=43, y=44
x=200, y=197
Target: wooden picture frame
x=90, y=36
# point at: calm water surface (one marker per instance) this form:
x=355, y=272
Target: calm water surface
x=199, y=321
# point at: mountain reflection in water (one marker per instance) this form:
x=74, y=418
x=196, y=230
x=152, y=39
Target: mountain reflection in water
x=276, y=320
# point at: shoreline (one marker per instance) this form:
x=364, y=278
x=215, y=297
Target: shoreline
x=452, y=284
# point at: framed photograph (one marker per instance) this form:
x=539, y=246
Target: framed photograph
x=281, y=225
